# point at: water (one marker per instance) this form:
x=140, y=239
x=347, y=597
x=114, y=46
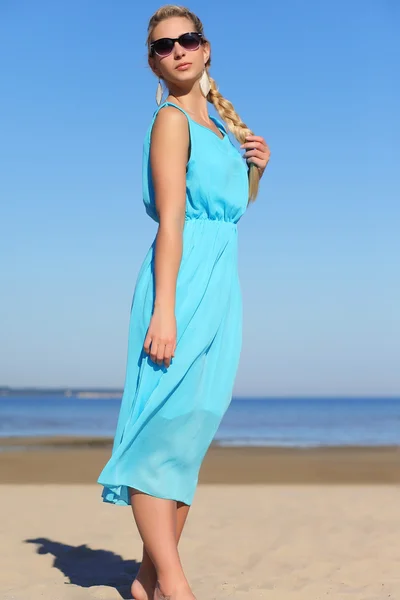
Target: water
x=297, y=422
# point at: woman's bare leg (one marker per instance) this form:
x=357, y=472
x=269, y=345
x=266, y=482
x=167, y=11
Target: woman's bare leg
x=147, y=570
x=144, y=584
x=145, y=581
x=160, y=524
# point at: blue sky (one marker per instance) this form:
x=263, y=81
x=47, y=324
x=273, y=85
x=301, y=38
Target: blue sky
x=319, y=250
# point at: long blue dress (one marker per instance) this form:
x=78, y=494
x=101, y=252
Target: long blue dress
x=169, y=415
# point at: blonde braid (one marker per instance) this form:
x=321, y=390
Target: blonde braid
x=239, y=129
x=223, y=107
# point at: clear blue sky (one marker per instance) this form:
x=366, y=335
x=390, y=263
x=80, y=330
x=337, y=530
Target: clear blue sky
x=319, y=250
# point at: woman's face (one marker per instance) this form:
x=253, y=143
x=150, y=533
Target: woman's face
x=166, y=67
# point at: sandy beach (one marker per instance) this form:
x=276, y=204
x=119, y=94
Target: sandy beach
x=271, y=523
x=274, y=542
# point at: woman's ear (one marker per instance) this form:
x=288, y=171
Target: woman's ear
x=206, y=52
x=153, y=67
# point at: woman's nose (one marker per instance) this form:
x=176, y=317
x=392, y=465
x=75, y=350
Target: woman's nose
x=178, y=50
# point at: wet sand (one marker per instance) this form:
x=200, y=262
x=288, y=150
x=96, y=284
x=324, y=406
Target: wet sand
x=70, y=460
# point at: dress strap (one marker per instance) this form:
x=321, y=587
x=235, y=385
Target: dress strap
x=219, y=123
x=167, y=103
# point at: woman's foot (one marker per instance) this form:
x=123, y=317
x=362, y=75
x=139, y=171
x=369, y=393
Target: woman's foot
x=144, y=585
x=181, y=592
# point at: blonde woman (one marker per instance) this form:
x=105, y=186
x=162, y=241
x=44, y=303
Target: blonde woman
x=185, y=330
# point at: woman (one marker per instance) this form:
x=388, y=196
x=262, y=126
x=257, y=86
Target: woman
x=185, y=328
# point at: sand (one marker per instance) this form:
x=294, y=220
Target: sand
x=273, y=523
x=278, y=542
x=80, y=460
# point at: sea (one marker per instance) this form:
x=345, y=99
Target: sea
x=285, y=422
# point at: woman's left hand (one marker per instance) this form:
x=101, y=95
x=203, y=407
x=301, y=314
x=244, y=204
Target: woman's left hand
x=257, y=152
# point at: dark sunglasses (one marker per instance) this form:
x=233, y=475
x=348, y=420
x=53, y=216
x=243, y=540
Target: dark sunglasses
x=164, y=46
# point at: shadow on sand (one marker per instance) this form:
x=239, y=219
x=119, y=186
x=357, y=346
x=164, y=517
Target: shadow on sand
x=86, y=567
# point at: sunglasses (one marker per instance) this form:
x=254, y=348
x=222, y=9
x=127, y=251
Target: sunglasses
x=164, y=46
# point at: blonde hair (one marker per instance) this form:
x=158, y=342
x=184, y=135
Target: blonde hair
x=223, y=106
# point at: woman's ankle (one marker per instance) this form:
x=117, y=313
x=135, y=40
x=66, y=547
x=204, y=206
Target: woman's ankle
x=167, y=586
x=147, y=571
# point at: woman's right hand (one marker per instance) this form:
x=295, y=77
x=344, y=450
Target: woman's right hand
x=160, y=341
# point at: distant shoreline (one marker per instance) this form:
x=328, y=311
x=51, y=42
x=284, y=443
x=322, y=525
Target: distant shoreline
x=89, y=441
x=117, y=393
x=67, y=392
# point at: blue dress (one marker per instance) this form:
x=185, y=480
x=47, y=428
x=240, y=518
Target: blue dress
x=169, y=415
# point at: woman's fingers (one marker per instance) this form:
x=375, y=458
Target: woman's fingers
x=254, y=144
x=257, y=152
x=257, y=138
x=154, y=350
x=147, y=343
x=258, y=162
x=160, y=341
x=159, y=352
x=167, y=354
x=256, y=141
x=254, y=152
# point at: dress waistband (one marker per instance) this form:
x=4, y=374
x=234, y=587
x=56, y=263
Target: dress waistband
x=207, y=220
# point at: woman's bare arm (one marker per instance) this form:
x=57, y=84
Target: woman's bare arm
x=168, y=159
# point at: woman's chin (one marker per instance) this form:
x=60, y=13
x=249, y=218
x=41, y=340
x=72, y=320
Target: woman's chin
x=183, y=78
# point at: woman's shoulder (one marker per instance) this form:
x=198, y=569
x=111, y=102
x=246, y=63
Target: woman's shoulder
x=169, y=118
x=168, y=111
x=168, y=115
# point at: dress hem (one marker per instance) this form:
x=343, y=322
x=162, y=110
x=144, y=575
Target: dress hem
x=111, y=497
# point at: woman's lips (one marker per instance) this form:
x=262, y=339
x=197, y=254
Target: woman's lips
x=183, y=66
